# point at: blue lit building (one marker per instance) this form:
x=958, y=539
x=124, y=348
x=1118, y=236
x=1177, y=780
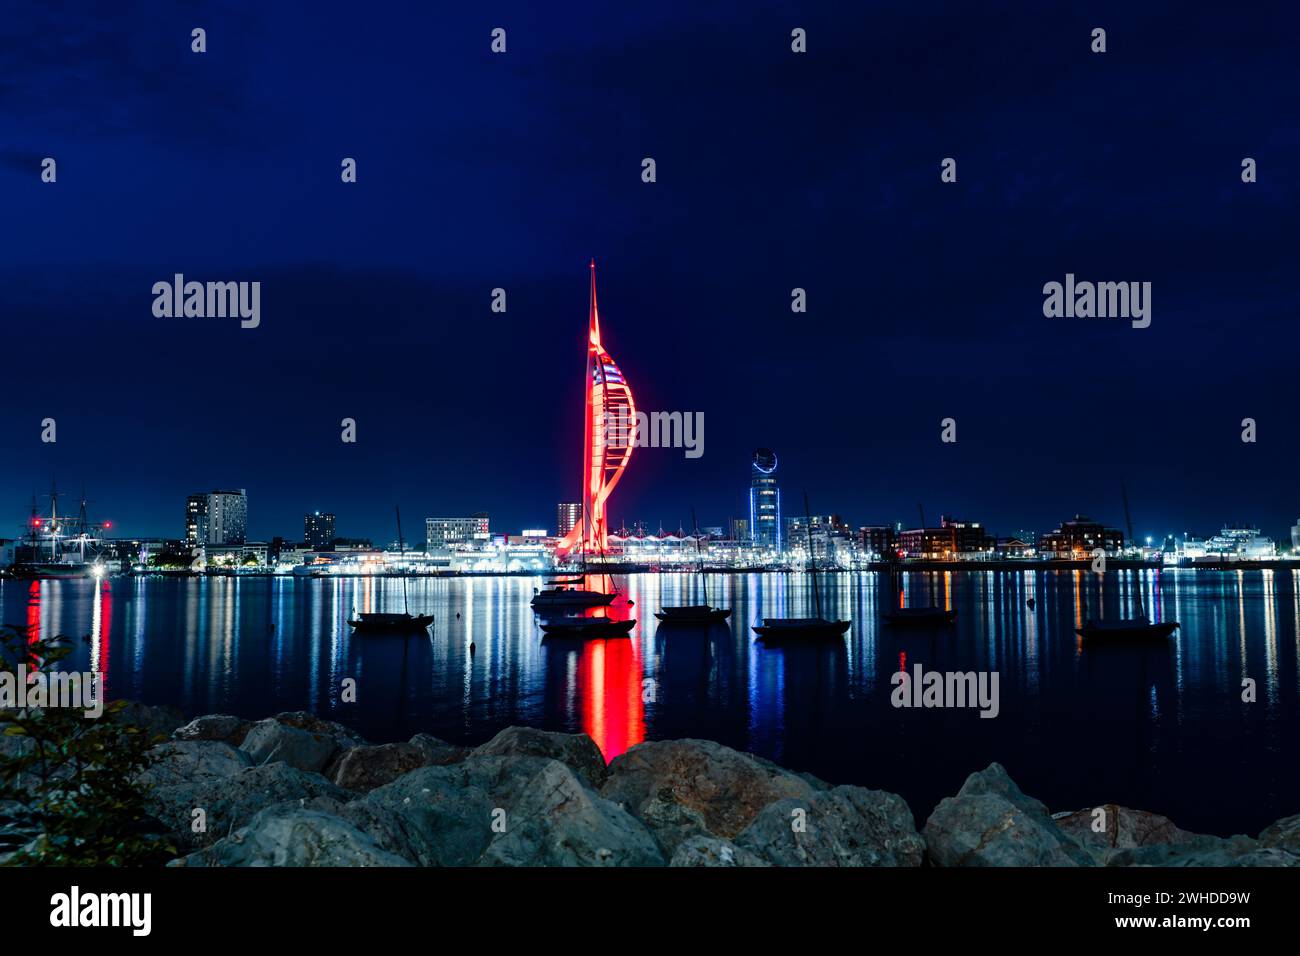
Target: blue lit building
x=764, y=501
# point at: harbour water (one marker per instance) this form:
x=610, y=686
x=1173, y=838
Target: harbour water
x=1162, y=729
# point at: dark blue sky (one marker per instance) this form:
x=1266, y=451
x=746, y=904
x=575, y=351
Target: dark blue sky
x=775, y=170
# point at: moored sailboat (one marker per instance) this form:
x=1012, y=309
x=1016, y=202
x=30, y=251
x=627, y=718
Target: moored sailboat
x=389, y=622
x=806, y=629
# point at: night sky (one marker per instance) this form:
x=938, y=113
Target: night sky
x=775, y=170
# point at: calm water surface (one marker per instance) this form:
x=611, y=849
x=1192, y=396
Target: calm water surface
x=1162, y=729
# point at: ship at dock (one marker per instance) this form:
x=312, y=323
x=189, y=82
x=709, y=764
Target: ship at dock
x=58, y=545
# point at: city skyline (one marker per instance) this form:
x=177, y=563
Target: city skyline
x=924, y=298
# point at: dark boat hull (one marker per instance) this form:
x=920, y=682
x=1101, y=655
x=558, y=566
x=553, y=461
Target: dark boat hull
x=591, y=627
x=693, y=615
x=391, y=623
x=919, y=617
x=1137, y=632
x=800, y=629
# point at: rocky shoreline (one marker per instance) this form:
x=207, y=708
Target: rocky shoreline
x=297, y=790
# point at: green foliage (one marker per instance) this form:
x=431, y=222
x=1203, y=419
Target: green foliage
x=69, y=780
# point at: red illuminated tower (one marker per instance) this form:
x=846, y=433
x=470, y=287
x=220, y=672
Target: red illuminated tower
x=609, y=434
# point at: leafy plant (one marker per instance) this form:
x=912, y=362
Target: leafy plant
x=68, y=785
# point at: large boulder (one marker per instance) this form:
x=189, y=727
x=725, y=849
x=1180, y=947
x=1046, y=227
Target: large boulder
x=222, y=727
x=370, y=766
x=230, y=802
x=1118, y=828
x=576, y=751
x=438, y=752
x=845, y=826
x=287, y=835
x=710, y=851
x=684, y=788
x=992, y=823
x=1283, y=835
x=494, y=810
x=270, y=741
x=344, y=737
x=188, y=762
x=1234, y=851
x=559, y=821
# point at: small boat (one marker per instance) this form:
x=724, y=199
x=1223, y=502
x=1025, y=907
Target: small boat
x=807, y=629
x=1127, y=630
x=775, y=629
x=693, y=614
x=573, y=580
x=386, y=623
x=574, y=626
x=919, y=617
x=390, y=622
x=571, y=597
x=1130, y=630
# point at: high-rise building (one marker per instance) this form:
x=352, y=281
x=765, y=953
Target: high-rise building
x=609, y=435
x=318, y=530
x=1295, y=535
x=227, y=517
x=449, y=532
x=196, y=520
x=764, y=500
x=567, y=514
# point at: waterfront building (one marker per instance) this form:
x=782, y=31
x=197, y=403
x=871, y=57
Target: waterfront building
x=764, y=501
x=1295, y=536
x=739, y=529
x=196, y=520
x=444, y=533
x=608, y=439
x=878, y=542
x=567, y=514
x=1014, y=548
x=227, y=518
x=953, y=540
x=216, y=518
x=1240, y=544
x=1077, y=538
x=318, y=530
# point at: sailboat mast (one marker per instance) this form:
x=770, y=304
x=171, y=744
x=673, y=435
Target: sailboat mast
x=401, y=549
x=1128, y=521
x=812, y=555
x=699, y=553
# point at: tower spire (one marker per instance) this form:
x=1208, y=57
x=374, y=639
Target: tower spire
x=593, y=317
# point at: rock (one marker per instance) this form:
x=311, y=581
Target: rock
x=1283, y=835
x=845, y=826
x=442, y=816
x=576, y=751
x=270, y=740
x=344, y=737
x=155, y=721
x=684, y=788
x=992, y=823
x=704, y=850
x=1123, y=829
x=223, y=727
x=561, y=822
x=192, y=761
x=285, y=835
x=230, y=802
x=445, y=816
x=438, y=752
x=1235, y=851
x=367, y=767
